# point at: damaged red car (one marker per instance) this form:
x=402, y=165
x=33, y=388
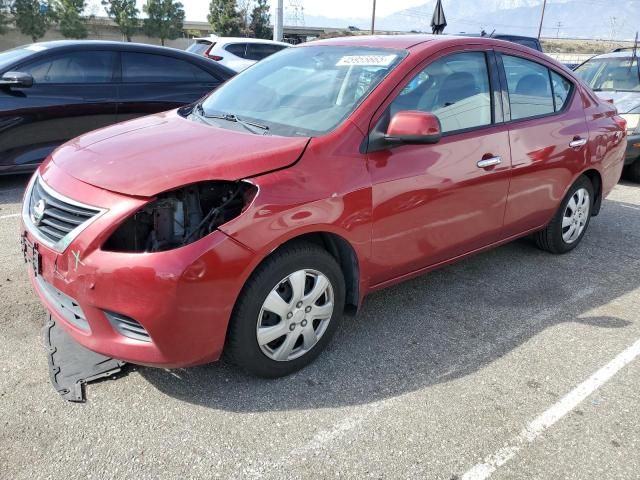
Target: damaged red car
x=251, y=222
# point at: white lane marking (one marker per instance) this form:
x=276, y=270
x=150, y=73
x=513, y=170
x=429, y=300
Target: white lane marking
x=339, y=430
x=631, y=207
x=13, y=215
x=570, y=401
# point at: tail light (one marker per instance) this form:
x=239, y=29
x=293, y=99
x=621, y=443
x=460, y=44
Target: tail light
x=217, y=58
x=621, y=122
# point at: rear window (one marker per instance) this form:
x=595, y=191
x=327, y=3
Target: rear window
x=199, y=47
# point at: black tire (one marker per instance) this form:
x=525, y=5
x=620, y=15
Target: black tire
x=242, y=346
x=632, y=172
x=551, y=238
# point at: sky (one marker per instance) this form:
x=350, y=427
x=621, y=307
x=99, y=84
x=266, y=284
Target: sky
x=196, y=10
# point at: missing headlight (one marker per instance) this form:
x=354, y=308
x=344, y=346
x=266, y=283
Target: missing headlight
x=180, y=217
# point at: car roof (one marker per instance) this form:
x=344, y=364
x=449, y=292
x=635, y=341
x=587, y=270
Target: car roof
x=412, y=41
x=495, y=35
x=215, y=39
x=99, y=44
x=375, y=41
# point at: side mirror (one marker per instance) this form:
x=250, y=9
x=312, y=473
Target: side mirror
x=413, y=128
x=16, y=79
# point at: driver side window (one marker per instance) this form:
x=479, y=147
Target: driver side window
x=454, y=88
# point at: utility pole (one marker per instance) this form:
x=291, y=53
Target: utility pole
x=373, y=18
x=558, y=26
x=278, y=23
x=544, y=6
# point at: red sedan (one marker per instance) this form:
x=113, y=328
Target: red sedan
x=251, y=222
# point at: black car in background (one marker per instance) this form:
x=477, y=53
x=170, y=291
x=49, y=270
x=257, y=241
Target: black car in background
x=54, y=91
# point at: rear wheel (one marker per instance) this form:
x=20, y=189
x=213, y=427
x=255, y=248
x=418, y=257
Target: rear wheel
x=571, y=221
x=287, y=312
x=632, y=172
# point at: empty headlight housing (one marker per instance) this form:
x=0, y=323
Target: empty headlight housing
x=182, y=216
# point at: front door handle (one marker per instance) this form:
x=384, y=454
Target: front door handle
x=489, y=162
x=578, y=142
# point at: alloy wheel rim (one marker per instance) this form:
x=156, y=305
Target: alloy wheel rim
x=295, y=315
x=576, y=215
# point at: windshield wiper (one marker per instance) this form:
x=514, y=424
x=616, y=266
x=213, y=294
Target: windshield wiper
x=230, y=117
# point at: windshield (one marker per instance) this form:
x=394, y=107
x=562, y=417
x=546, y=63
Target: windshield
x=304, y=91
x=611, y=74
x=11, y=56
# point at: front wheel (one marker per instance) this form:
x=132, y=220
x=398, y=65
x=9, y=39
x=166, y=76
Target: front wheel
x=570, y=222
x=287, y=312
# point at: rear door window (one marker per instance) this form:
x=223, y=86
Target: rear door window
x=454, y=88
x=258, y=51
x=237, y=49
x=150, y=68
x=529, y=85
x=73, y=67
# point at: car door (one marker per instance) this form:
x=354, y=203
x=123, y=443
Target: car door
x=152, y=83
x=72, y=93
x=432, y=203
x=548, y=135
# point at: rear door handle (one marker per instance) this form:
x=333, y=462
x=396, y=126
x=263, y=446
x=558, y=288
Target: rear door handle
x=489, y=162
x=578, y=142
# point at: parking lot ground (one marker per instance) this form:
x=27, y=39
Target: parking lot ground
x=432, y=378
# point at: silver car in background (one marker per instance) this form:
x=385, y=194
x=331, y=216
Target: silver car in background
x=616, y=76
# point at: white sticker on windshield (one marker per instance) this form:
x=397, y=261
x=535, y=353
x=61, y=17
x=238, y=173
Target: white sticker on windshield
x=36, y=48
x=366, y=60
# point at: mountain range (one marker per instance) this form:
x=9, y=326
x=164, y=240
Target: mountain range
x=603, y=19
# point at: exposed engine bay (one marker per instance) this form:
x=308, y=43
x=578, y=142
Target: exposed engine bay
x=180, y=217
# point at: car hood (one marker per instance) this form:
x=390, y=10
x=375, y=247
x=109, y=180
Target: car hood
x=625, y=102
x=161, y=152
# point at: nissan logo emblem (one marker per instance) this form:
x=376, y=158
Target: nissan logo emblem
x=38, y=211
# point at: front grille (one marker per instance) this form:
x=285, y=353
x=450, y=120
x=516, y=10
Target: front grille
x=128, y=327
x=64, y=305
x=53, y=216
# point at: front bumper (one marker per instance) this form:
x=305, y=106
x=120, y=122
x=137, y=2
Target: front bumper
x=632, y=153
x=183, y=298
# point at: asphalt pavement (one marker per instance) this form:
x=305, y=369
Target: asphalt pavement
x=515, y=363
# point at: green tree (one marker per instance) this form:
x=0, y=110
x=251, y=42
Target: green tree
x=32, y=17
x=4, y=16
x=69, y=16
x=260, y=20
x=224, y=17
x=125, y=14
x=165, y=19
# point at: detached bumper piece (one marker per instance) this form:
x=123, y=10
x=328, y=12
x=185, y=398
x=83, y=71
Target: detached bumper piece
x=71, y=366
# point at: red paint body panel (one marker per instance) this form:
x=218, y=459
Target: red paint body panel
x=154, y=154
x=403, y=211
